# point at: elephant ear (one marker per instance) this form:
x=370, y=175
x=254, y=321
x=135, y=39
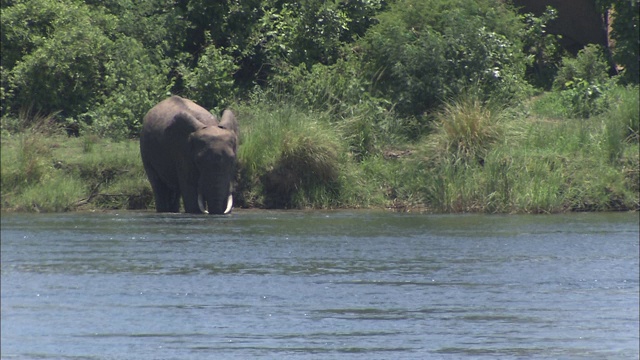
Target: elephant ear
x=183, y=125
x=229, y=122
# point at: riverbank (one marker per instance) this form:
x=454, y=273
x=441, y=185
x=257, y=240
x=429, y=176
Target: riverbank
x=474, y=158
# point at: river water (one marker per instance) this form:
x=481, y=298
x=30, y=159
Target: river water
x=319, y=285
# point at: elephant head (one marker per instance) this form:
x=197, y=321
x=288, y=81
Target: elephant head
x=213, y=149
x=188, y=153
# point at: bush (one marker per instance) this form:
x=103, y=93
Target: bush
x=465, y=130
x=289, y=159
x=69, y=57
x=132, y=85
x=422, y=52
x=582, y=100
x=63, y=64
x=588, y=66
x=582, y=83
x=210, y=83
x=544, y=48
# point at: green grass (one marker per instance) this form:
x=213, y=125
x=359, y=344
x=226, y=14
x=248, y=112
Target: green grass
x=538, y=165
x=466, y=129
x=50, y=172
x=477, y=158
x=291, y=159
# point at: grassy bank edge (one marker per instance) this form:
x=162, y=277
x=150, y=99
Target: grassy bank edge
x=475, y=158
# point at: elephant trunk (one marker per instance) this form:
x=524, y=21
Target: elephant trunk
x=203, y=208
x=214, y=195
x=201, y=204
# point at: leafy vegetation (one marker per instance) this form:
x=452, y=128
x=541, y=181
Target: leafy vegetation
x=625, y=36
x=443, y=105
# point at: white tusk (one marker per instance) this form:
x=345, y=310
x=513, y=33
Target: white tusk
x=229, y=204
x=201, y=204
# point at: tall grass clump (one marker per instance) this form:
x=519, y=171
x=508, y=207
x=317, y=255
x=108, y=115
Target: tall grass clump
x=25, y=155
x=621, y=129
x=289, y=159
x=625, y=112
x=26, y=162
x=340, y=92
x=29, y=180
x=114, y=176
x=465, y=130
x=480, y=159
x=566, y=164
x=450, y=161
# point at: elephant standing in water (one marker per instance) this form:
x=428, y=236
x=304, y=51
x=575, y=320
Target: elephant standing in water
x=187, y=153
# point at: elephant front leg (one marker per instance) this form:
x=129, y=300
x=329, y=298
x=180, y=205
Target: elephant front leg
x=167, y=199
x=192, y=204
x=190, y=199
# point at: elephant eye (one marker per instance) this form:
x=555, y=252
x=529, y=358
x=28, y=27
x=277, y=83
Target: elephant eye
x=222, y=127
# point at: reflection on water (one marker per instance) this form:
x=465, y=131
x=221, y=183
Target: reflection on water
x=329, y=285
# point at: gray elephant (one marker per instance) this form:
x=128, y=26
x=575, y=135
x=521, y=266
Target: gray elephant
x=187, y=153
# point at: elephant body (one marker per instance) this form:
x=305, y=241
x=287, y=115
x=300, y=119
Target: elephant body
x=188, y=153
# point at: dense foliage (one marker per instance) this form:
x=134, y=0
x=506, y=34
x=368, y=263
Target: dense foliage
x=341, y=102
x=422, y=52
x=625, y=35
x=102, y=64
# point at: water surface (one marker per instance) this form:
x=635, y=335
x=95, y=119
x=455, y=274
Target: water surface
x=319, y=285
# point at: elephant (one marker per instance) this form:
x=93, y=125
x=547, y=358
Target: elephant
x=186, y=152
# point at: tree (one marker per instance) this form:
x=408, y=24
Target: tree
x=83, y=61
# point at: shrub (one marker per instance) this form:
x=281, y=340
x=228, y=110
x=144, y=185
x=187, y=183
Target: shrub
x=132, y=85
x=289, y=159
x=543, y=47
x=582, y=100
x=588, y=66
x=465, y=130
x=422, y=52
x=71, y=57
x=582, y=83
x=63, y=63
x=210, y=83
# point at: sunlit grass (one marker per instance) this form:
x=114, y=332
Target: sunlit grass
x=465, y=130
x=476, y=159
x=50, y=172
x=535, y=164
x=53, y=194
x=289, y=159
